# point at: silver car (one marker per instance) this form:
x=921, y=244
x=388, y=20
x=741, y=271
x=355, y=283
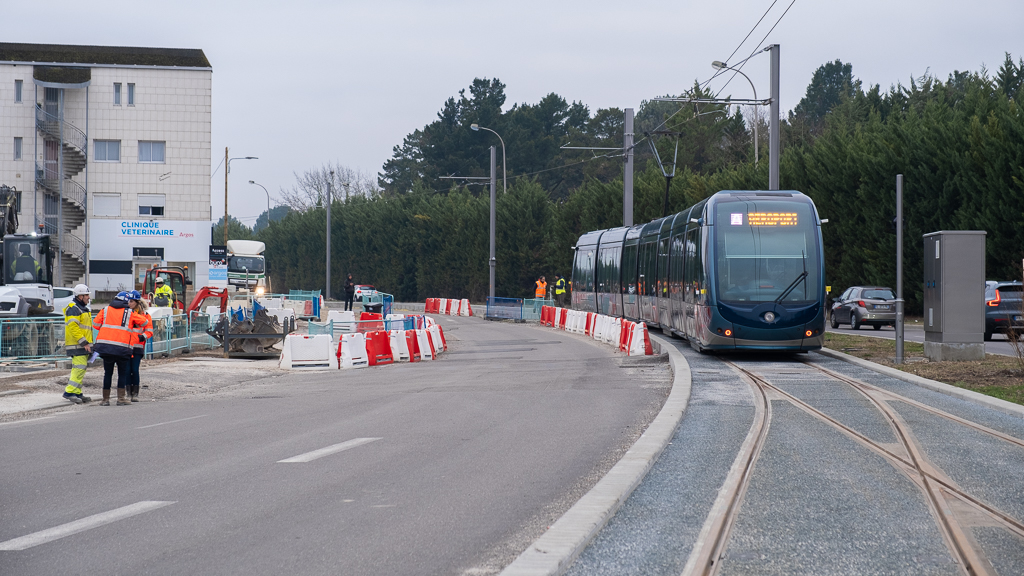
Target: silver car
x=864, y=305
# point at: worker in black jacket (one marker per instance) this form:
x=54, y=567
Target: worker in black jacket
x=350, y=292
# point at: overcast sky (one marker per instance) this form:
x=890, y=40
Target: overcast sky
x=302, y=83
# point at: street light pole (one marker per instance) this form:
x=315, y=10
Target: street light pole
x=492, y=262
x=227, y=170
x=268, y=199
x=327, y=292
x=717, y=65
x=504, y=181
x=773, y=128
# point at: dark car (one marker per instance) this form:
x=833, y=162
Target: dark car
x=861, y=305
x=1003, y=309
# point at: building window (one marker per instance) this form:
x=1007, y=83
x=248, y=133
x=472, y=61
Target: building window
x=117, y=93
x=151, y=204
x=106, y=205
x=131, y=94
x=17, y=147
x=108, y=150
x=151, y=151
x=17, y=90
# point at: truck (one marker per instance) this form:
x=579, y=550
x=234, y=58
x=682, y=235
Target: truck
x=247, y=268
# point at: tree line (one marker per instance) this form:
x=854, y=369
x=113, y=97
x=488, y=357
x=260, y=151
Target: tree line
x=959, y=143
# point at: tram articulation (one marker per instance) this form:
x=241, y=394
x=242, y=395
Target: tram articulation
x=740, y=270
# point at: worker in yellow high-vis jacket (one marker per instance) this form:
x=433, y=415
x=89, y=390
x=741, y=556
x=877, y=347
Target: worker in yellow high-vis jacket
x=78, y=341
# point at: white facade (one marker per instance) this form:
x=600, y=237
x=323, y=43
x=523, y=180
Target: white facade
x=148, y=130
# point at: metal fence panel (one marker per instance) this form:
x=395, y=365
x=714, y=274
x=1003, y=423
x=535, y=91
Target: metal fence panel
x=31, y=339
x=532, y=306
x=505, y=308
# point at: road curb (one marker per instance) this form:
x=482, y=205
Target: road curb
x=962, y=393
x=558, y=548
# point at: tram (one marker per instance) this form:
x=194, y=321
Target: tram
x=740, y=270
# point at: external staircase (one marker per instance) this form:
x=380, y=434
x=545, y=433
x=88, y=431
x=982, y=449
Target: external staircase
x=65, y=196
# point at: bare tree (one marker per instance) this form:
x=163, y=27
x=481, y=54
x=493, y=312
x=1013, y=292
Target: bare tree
x=310, y=187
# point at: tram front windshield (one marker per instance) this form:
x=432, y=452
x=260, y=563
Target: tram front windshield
x=766, y=250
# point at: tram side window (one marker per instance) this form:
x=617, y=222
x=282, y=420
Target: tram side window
x=676, y=269
x=583, y=278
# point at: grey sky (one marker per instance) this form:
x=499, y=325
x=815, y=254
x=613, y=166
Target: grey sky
x=299, y=83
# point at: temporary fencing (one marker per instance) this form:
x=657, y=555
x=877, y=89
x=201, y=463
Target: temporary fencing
x=534, y=307
x=628, y=336
x=504, y=308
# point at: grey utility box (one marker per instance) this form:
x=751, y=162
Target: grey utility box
x=954, y=295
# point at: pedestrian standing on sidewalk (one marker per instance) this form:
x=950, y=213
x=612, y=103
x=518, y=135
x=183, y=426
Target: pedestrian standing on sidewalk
x=350, y=292
x=78, y=341
x=116, y=324
x=143, y=333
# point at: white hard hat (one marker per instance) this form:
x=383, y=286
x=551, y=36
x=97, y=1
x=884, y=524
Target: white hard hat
x=159, y=280
x=81, y=290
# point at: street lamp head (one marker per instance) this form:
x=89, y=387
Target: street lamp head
x=252, y=181
x=475, y=127
x=718, y=65
x=251, y=158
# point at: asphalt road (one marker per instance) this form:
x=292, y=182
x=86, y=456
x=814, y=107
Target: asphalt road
x=445, y=467
x=915, y=333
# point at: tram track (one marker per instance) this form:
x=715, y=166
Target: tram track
x=948, y=503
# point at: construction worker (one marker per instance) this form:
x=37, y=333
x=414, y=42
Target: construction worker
x=25, y=268
x=163, y=295
x=117, y=326
x=542, y=289
x=560, y=290
x=143, y=333
x=77, y=341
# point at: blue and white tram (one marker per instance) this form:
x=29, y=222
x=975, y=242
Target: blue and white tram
x=741, y=270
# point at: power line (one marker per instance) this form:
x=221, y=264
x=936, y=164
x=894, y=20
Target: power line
x=743, y=63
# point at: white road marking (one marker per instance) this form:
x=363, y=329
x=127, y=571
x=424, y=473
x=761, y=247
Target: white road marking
x=310, y=456
x=94, y=521
x=172, y=421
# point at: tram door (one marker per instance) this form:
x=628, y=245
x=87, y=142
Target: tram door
x=690, y=284
x=676, y=282
x=664, y=305
x=646, y=280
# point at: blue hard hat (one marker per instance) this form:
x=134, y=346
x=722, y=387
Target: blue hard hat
x=135, y=295
x=122, y=296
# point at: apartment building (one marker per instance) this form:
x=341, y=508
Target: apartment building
x=109, y=150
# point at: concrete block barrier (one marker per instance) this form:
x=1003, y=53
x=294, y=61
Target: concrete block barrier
x=304, y=351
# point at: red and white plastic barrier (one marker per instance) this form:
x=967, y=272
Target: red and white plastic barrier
x=352, y=351
x=629, y=337
x=448, y=307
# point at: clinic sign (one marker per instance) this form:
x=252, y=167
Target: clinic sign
x=150, y=228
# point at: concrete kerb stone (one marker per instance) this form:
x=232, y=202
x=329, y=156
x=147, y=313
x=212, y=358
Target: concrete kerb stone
x=555, y=551
x=962, y=393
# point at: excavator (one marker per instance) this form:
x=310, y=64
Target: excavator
x=26, y=265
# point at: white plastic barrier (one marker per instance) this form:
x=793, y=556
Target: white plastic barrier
x=159, y=312
x=423, y=341
x=353, y=351
x=442, y=305
x=281, y=314
x=212, y=310
x=612, y=335
x=302, y=351
x=464, y=307
x=344, y=320
x=599, y=325
x=638, y=340
x=399, y=345
x=435, y=337
x=456, y=305
x=578, y=322
x=271, y=302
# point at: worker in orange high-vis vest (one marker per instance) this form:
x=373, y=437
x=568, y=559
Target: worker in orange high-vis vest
x=542, y=289
x=119, y=328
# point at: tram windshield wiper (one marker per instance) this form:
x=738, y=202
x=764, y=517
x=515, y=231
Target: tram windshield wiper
x=793, y=285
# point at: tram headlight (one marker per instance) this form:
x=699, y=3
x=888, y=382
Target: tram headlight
x=769, y=317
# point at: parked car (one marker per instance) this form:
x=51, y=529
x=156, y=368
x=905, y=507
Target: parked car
x=1003, y=309
x=364, y=290
x=61, y=298
x=864, y=305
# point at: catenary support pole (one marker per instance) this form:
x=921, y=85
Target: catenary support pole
x=627, y=174
x=899, y=269
x=227, y=166
x=494, y=184
x=773, y=127
x=327, y=287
